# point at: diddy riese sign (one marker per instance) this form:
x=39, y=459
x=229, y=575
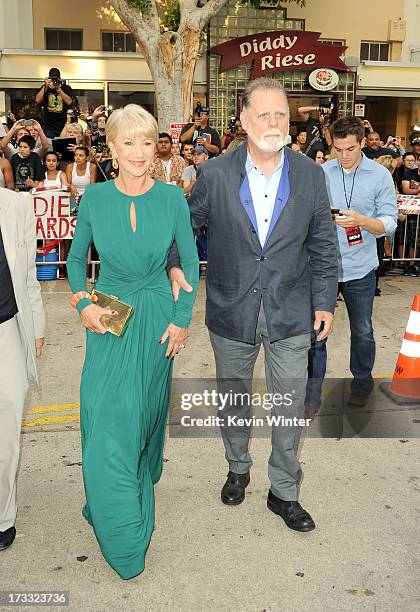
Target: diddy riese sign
x=280, y=51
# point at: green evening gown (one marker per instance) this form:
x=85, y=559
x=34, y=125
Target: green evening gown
x=125, y=384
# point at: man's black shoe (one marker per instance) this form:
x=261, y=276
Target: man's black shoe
x=291, y=512
x=358, y=400
x=7, y=537
x=413, y=271
x=233, y=492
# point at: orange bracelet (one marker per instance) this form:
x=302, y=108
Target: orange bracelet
x=79, y=296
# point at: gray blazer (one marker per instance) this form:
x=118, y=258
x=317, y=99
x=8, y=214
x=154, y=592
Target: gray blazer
x=295, y=273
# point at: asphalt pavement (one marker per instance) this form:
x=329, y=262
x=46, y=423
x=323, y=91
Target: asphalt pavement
x=363, y=493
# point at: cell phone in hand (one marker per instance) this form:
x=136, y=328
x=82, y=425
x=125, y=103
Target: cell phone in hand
x=335, y=212
x=28, y=122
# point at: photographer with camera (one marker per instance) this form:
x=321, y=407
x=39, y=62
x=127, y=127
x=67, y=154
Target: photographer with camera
x=317, y=130
x=394, y=143
x=10, y=142
x=373, y=148
x=201, y=133
x=56, y=98
x=96, y=127
x=232, y=131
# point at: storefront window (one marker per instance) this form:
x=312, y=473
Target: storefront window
x=225, y=90
x=21, y=101
x=88, y=99
x=120, y=42
x=374, y=51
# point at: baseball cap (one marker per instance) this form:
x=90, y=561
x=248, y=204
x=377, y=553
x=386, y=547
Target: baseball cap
x=415, y=140
x=54, y=73
x=205, y=109
x=200, y=149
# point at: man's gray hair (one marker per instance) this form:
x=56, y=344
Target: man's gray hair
x=260, y=83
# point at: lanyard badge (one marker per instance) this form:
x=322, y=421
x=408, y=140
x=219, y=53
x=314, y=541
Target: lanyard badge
x=354, y=233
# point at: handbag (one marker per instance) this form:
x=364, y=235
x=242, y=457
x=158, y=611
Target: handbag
x=114, y=324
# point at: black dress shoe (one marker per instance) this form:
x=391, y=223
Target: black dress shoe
x=291, y=512
x=358, y=400
x=7, y=537
x=233, y=492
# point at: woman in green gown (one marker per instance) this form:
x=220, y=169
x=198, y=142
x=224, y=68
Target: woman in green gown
x=125, y=382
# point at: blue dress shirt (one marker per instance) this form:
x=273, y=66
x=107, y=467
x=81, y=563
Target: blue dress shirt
x=263, y=191
x=374, y=196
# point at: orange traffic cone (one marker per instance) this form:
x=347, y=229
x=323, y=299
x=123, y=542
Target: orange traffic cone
x=405, y=386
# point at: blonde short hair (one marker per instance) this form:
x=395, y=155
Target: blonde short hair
x=388, y=161
x=78, y=127
x=132, y=120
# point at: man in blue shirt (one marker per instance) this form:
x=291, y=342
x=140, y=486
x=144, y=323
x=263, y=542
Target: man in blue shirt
x=364, y=194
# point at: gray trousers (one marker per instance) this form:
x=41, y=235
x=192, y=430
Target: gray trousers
x=13, y=387
x=286, y=366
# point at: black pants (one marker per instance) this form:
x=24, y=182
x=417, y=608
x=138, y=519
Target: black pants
x=380, y=248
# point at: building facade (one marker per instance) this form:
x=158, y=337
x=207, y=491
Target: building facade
x=100, y=60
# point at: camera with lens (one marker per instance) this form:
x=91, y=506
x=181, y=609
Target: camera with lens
x=232, y=125
x=198, y=109
x=56, y=82
x=328, y=106
x=327, y=103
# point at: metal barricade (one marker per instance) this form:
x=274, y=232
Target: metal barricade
x=404, y=245
x=405, y=242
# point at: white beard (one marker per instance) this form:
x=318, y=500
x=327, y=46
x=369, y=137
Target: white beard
x=272, y=145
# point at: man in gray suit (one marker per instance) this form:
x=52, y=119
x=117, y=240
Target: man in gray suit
x=22, y=324
x=271, y=280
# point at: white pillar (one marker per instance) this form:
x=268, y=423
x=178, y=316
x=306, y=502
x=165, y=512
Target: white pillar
x=16, y=24
x=411, y=45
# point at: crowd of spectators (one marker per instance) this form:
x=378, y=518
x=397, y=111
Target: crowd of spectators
x=69, y=151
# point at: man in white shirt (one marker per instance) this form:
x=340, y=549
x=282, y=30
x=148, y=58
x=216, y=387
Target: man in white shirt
x=271, y=280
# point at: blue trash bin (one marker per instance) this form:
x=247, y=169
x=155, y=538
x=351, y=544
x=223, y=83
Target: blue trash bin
x=47, y=272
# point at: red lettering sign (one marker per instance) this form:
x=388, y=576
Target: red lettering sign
x=175, y=131
x=280, y=51
x=52, y=212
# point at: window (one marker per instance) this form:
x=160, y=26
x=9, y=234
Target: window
x=65, y=40
x=119, y=42
x=332, y=41
x=374, y=51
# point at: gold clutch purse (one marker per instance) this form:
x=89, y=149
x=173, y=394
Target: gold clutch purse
x=115, y=324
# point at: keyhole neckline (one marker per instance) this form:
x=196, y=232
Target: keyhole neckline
x=133, y=217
